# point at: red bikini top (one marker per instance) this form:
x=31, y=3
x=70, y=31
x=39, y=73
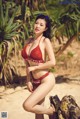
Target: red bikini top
x=35, y=55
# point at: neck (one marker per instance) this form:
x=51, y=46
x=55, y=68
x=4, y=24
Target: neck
x=36, y=37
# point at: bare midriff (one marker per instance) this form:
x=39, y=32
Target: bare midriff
x=37, y=73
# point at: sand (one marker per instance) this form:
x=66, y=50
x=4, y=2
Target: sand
x=11, y=100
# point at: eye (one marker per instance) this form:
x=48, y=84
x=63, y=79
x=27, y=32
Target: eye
x=41, y=24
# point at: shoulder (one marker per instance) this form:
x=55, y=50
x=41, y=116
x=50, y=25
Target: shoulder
x=47, y=41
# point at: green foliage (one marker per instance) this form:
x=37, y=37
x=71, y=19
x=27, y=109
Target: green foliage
x=52, y=70
x=8, y=28
x=7, y=63
x=66, y=17
x=70, y=54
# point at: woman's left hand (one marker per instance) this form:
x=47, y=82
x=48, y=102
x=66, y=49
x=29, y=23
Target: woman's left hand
x=32, y=68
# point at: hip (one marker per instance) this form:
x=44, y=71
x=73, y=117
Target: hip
x=47, y=78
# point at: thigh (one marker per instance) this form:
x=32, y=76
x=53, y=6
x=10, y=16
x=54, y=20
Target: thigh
x=42, y=102
x=43, y=89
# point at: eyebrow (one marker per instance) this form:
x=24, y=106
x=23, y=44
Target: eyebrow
x=40, y=23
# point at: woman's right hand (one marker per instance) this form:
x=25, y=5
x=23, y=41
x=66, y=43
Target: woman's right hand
x=30, y=86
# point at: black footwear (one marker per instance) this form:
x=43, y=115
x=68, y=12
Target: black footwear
x=55, y=101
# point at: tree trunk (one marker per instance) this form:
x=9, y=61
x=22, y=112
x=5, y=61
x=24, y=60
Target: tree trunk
x=66, y=45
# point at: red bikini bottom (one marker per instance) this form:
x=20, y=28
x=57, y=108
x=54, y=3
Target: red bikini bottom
x=37, y=82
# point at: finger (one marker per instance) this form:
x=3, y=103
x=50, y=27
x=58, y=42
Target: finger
x=31, y=88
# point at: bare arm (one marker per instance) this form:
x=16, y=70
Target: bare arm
x=27, y=73
x=51, y=62
x=29, y=83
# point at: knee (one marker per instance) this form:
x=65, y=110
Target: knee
x=27, y=106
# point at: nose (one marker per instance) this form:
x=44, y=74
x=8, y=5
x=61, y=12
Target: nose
x=37, y=25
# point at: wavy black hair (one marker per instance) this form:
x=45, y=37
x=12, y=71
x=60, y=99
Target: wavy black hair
x=46, y=33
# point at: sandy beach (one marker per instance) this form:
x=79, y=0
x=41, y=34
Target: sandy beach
x=11, y=100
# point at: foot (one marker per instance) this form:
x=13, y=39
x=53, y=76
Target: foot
x=52, y=110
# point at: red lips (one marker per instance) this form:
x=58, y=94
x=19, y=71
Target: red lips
x=36, y=29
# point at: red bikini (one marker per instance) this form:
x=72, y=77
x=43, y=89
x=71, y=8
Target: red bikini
x=37, y=82
x=36, y=56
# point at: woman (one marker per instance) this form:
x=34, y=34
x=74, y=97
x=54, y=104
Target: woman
x=42, y=81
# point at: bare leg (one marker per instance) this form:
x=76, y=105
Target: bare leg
x=40, y=116
x=31, y=103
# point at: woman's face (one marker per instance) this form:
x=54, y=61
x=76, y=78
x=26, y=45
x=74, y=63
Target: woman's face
x=40, y=26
